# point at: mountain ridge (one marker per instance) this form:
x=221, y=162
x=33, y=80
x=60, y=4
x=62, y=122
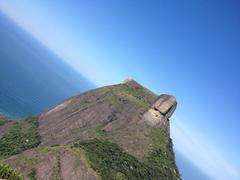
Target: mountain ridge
x=114, y=132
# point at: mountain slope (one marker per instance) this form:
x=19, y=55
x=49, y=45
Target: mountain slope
x=108, y=108
x=114, y=132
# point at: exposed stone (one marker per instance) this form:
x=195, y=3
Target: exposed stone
x=166, y=105
x=160, y=112
x=60, y=161
x=110, y=107
x=132, y=83
x=155, y=119
x=128, y=80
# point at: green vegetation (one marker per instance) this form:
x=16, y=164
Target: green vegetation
x=33, y=174
x=3, y=120
x=140, y=140
x=164, y=161
x=111, y=162
x=150, y=145
x=147, y=154
x=100, y=133
x=8, y=173
x=57, y=169
x=135, y=95
x=85, y=133
x=21, y=136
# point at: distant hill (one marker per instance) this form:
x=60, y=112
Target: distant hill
x=33, y=79
x=114, y=132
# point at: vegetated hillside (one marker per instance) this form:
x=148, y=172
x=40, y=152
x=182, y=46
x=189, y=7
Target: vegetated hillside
x=114, y=132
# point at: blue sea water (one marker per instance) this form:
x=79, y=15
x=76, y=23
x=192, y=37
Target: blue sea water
x=32, y=78
x=188, y=170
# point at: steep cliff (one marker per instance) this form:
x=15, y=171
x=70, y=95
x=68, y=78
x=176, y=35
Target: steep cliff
x=114, y=132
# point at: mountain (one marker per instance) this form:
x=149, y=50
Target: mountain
x=114, y=132
x=33, y=79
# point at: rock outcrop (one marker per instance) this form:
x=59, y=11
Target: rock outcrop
x=160, y=112
x=114, y=132
x=110, y=107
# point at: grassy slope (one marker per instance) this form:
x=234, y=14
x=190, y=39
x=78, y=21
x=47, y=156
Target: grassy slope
x=141, y=145
x=21, y=136
x=112, y=162
x=3, y=120
x=7, y=172
x=135, y=95
x=42, y=158
x=146, y=146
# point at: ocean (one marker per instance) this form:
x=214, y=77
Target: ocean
x=32, y=78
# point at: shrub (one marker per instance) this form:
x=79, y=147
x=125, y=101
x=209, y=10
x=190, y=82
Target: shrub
x=109, y=160
x=3, y=120
x=32, y=174
x=21, y=136
x=8, y=173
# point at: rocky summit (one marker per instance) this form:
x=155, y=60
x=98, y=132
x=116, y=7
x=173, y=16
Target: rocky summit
x=114, y=132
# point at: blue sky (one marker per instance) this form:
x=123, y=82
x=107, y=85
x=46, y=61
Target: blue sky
x=190, y=49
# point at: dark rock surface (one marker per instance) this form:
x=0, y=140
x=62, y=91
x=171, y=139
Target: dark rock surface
x=110, y=107
x=160, y=112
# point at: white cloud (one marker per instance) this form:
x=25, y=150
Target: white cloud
x=202, y=154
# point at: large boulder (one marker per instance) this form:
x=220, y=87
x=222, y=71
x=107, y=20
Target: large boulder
x=160, y=112
x=166, y=105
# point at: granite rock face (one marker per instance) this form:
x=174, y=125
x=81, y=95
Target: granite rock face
x=110, y=107
x=160, y=112
x=166, y=105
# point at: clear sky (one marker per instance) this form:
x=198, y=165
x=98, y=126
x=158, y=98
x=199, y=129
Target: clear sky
x=190, y=49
